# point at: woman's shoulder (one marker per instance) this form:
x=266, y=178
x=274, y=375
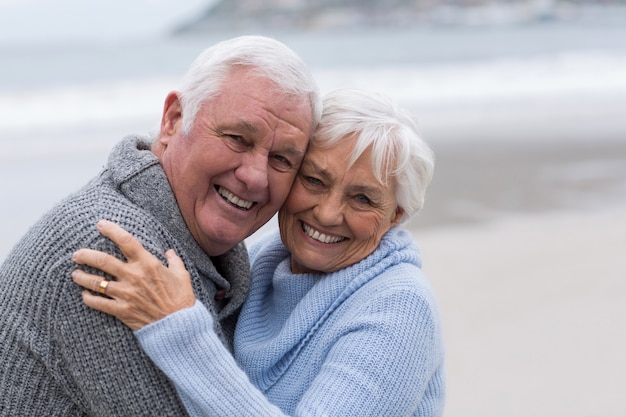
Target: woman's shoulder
x=398, y=275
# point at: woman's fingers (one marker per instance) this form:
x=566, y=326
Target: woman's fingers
x=181, y=290
x=122, y=310
x=121, y=301
x=106, y=305
x=99, y=260
x=92, y=282
x=130, y=247
x=145, y=290
x=97, y=284
x=175, y=264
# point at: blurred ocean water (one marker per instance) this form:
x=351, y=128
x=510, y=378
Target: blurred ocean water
x=63, y=106
x=60, y=88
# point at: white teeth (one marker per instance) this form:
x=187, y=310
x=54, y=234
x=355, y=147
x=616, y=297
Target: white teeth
x=233, y=199
x=314, y=234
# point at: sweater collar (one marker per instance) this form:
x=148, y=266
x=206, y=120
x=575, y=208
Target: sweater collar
x=138, y=174
x=294, y=306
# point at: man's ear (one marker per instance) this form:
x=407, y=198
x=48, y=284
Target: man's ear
x=172, y=118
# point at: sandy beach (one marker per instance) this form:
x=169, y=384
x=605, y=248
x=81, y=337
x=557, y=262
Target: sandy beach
x=526, y=250
x=525, y=243
x=534, y=316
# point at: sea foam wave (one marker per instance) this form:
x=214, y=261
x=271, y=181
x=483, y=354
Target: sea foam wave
x=120, y=101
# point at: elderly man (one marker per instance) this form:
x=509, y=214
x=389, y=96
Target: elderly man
x=229, y=146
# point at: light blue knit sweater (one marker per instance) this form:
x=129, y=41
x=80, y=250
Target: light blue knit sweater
x=364, y=341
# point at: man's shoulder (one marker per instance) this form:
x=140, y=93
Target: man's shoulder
x=71, y=223
x=96, y=200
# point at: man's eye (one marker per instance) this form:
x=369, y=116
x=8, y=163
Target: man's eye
x=236, y=138
x=235, y=142
x=281, y=163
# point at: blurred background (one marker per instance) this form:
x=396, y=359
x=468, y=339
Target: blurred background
x=524, y=102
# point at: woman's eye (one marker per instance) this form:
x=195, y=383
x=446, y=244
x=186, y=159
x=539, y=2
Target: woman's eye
x=361, y=198
x=313, y=181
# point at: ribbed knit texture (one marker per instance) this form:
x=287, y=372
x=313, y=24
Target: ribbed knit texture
x=364, y=341
x=61, y=358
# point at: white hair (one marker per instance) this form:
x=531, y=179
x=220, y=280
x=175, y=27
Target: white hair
x=266, y=57
x=398, y=151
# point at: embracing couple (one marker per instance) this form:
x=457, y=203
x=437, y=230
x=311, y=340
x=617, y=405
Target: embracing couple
x=136, y=295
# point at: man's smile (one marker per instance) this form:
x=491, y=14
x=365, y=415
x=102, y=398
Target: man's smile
x=233, y=199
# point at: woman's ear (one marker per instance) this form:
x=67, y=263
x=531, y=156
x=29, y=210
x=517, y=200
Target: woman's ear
x=399, y=213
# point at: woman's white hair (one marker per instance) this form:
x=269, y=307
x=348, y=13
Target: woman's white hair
x=266, y=57
x=398, y=152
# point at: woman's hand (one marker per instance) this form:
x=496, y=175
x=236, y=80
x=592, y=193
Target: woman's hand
x=145, y=290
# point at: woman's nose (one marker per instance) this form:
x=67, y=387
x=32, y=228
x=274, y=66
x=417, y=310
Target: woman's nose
x=329, y=210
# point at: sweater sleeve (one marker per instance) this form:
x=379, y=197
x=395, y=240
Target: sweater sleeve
x=209, y=382
x=381, y=365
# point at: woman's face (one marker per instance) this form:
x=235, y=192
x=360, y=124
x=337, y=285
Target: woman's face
x=335, y=217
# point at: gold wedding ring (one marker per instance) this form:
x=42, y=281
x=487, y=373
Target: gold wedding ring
x=102, y=288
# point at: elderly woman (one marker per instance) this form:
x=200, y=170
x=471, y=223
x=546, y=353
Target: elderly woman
x=339, y=319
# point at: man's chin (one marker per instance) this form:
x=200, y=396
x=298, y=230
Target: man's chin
x=221, y=236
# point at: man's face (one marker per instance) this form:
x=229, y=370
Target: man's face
x=234, y=169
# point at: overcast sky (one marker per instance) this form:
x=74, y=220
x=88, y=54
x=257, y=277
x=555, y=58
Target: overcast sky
x=59, y=20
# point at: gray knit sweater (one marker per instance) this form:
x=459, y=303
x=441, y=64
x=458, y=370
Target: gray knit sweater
x=60, y=358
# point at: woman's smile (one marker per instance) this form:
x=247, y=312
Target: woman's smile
x=320, y=236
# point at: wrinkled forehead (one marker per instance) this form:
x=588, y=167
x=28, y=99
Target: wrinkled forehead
x=343, y=148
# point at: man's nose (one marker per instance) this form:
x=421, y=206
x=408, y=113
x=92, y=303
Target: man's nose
x=253, y=171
